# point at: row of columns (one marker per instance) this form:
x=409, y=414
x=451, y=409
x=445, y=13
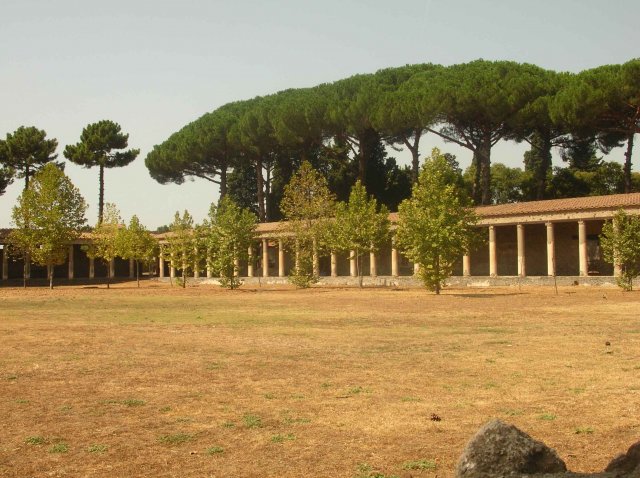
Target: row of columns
x=551, y=252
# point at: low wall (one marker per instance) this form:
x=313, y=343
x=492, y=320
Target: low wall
x=409, y=281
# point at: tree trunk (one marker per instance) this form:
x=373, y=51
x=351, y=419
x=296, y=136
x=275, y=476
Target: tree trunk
x=100, y=194
x=184, y=276
x=108, y=273
x=543, y=167
x=485, y=169
x=367, y=142
x=477, y=189
x=138, y=272
x=50, y=270
x=27, y=172
x=260, y=189
x=24, y=270
x=223, y=180
x=627, y=164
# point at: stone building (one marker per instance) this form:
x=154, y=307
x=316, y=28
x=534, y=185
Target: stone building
x=525, y=241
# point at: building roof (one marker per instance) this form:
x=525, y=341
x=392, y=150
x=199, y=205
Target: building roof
x=613, y=201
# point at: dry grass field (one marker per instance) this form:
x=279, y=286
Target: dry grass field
x=276, y=382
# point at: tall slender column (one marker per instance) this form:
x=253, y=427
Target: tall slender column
x=250, y=262
x=315, y=259
x=132, y=273
x=582, y=249
x=161, y=264
x=522, y=266
x=466, y=265
x=551, y=250
x=373, y=269
x=112, y=268
x=236, y=268
x=280, y=258
x=70, y=264
x=172, y=268
x=493, y=256
x=394, y=261
x=265, y=258
x=92, y=268
x=617, y=267
x=353, y=272
x=209, y=269
x=334, y=264
x=5, y=263
x=196, y=263
x=416, y=268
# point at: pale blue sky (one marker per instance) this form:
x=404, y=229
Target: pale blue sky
x=155, y=65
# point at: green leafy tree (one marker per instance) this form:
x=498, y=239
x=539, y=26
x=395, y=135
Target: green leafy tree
x=360, y=226
x=620, y=242
x=136, y=242
x=308, y=206
x=181, y=243
x=506, y=184
x=435, y=226
x=100, y=145
x=48, y=217
x=106, y=236
x=26, y=151
x=230, y=230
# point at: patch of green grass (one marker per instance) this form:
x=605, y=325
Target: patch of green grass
x=215, y=450
x=61, y=447
x=12, y=377
x=165, y=409
x=183, y=420
x=291, y=421
x=366, y=471
x=512, y=412
x=584, y=431
x=425, y=464
x=175, y=439
x=577, y=390
x=22, y=401
x=133, y=402
x=252, y=421
x=326, y=385
x=65, y=408
x=547, y=416
x=358, y=390
x=411, y=399
x=228, y=424
x=36, y=440
x=269, y=396
x=282, y=438
x=214, y=365
x=97, y=448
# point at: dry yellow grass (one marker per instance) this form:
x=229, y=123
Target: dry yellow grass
x=277, y=382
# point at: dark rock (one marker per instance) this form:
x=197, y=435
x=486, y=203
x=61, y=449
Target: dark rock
x=501, y=450
x=627, y=464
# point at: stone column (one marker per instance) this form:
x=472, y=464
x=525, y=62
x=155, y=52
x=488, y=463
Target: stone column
x=112, y=268
x=92, y=268
x=172, y=268
x=132, y=272
x=5, y=263
x=196, y=263
x=373, y=269
x=493, y=256
x=394, y=261
x=161, y=265
x=353, y=272
x=416, y=268
x=70, y=262
x=522, y=265
x=334, y=264
x=209, y=270
x=582, y=249
x=265, y=258
x=551, y=250
x=236, y=268
x=250, y=262
x=315, y=260
x=280, y=258
x=466, y=265
x=617, y=267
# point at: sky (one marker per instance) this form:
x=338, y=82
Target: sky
x=155, y=65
